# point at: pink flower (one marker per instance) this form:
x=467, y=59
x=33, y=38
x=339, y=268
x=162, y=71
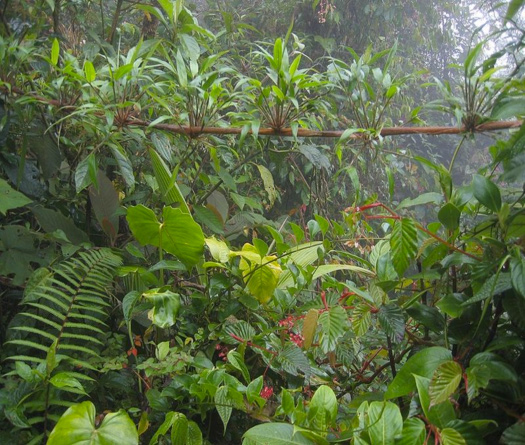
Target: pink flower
x=266, y=392
x=298, y=339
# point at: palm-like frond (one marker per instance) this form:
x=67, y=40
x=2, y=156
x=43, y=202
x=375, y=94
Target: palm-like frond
x=68, y=306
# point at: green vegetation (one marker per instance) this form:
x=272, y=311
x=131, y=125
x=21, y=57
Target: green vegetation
x=216, y=235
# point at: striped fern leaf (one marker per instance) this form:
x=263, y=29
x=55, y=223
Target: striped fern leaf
x=69, y=307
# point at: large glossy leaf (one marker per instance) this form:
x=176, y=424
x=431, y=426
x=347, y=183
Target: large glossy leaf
x=495, y=285
x=178, y=234
x=392, y=320
x=77, y=427
x=449, y=216
x=301, y=255
x=450, y=436
x=293, y=360
x=10, y=198
x=423, y=363
x=517, y=274
x=486, y=192
x=274, y=434
x=323, y=409
x=403, y=243
x=445, y=381
x=326, y=269
x=86, y=172
x=223, y=404
x=385, y=423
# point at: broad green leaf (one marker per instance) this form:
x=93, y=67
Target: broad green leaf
x=55, y=52
x=450, y=436
x=166, y=305
x=53, y=220
x=65, y=380
x=178, y=234
x=274, y=434
x=77, y=427
x=449, y=216
x=423, y=363
x=181, y=70
x=333, y=323
x=514, y=434
x=445, y=381
x=261, y=274
x=323, y=409
x=10, y=198
x=309, y=327
x=403, y=243
x=194, y=434
x=414, y=432
x=223, y=404
x=385, y=423
x=361, y=319
x=487, y=193
x=508, y=107
x=484, y=367
x=89, y=71
x=179, y=429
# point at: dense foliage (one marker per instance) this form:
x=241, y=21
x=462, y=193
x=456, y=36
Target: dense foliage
x=178, y=257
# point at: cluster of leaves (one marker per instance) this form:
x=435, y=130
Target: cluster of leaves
x=184, y=298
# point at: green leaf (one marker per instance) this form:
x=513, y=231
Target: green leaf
x=77, y=426
x=274, y=434
x=223, y=404
x=507, y=107
x=53, y=220
x=178, y=234
x=423, y=363
x=302, y=256
x=235, y=359
x=269, y=185
x=166, y=307
x=293, y=359
x=124, y=164
x=444, y=382
x=414, y=432
x=385, y=423
x=323, y=409
x=65, y=380
x=403, y=243
x=89, y=71
x=10, y=198
x=219, y=249
x=333, y=323
x=167, y=183
x=425, y=198
x=179, y=429
x=55, y=52
x=449, y=216
x=392, y=320
x=326, y=269
x=86, y=173
x=514, y=7
x=517, y=274
x=495, y=285
x=514, y=435
x=450, y=436
x=487, y=193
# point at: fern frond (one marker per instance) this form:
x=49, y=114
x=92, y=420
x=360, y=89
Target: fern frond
x=69, y=307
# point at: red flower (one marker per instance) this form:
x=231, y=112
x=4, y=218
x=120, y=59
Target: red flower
x=266, y=392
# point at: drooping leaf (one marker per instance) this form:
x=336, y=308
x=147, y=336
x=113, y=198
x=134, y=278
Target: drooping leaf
x=235, y=359
x=486, y=192
x=517, y=274
x=323, y=409
x=293, y=360
x=301, y=255
x=414, y=432
x=86, y=173
x=445, y=381
x=77, y=427
x=424, y=198
x=514, y=7
x=325, y=269
x=450, y=436
x=495, y=285
x=403, y=243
